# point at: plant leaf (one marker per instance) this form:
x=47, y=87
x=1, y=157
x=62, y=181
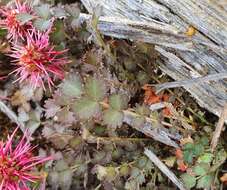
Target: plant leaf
x=42, y=24
x=86, y=108
x=43, y=11
x=113, y=118
x=51, y=108
x=24, y=17
x=188, y=156
x=118, y=102
x=95, y=89
x=58, y=35
x=189, y=181
x=205, y=181
x=198, y=149
x=201, y=169
x=72, y=86
x=205, y=158
x=65, y=179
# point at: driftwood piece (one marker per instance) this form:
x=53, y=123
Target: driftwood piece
x=209, y=43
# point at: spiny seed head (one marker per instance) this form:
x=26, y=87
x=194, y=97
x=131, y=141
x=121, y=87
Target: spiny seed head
x=17, y=164
x=16, y=28
x=37, y=61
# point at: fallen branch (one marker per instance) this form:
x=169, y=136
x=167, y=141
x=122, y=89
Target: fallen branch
x=219, y=128
x=164, y=169
x=190, y=82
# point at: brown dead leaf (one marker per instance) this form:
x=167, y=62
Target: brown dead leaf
x=150, y=97
x=224, y=178
x=19, y=99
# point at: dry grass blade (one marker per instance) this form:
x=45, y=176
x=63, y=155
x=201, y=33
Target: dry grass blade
x=11, y=115
x=219, y=128
x=164, y=169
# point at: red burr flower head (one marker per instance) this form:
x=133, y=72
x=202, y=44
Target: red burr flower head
x=17, y=164
x=16, y=28
x=37, y=61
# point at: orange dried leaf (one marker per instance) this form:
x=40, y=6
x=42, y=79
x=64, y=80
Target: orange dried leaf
x=179, y=154
x=165, y=97
x=166, y=112
x=149, y=96
x=181, y=165
x=224, y=178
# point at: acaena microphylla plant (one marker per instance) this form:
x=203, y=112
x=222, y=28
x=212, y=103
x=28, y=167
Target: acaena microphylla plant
x=10, y=20
x=37, y=61
x=18, y=165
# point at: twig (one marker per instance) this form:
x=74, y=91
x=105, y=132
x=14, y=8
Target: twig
x=7, y=111
x=219, y=128
x=190, y=82
x=106, y=140
x=157, y=133
x=164, y=169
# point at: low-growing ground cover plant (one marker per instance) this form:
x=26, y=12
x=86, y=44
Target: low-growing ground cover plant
x=90, y=102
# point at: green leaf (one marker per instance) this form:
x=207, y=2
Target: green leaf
x=95, y=89
x=73, y=10
x=201, y=169
x=188, y=156
x=113, y=118
x=142, y=110
x=42, y=24
x=58, y=35
x=219, y=159
x=60, y=12
x=189, y=181
x=188, y=146
x=206, y=158
x=198, y=149
x=137, y=175
x=3, y=32
x=118, y=102
x=86, y=108
x=205, y=181
x=204, y=141
x=24, y=17
x=43, y=11
x=72, y=86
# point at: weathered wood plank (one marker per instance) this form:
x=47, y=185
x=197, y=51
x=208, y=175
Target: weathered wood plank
x=208, y=17
x=150, y=32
